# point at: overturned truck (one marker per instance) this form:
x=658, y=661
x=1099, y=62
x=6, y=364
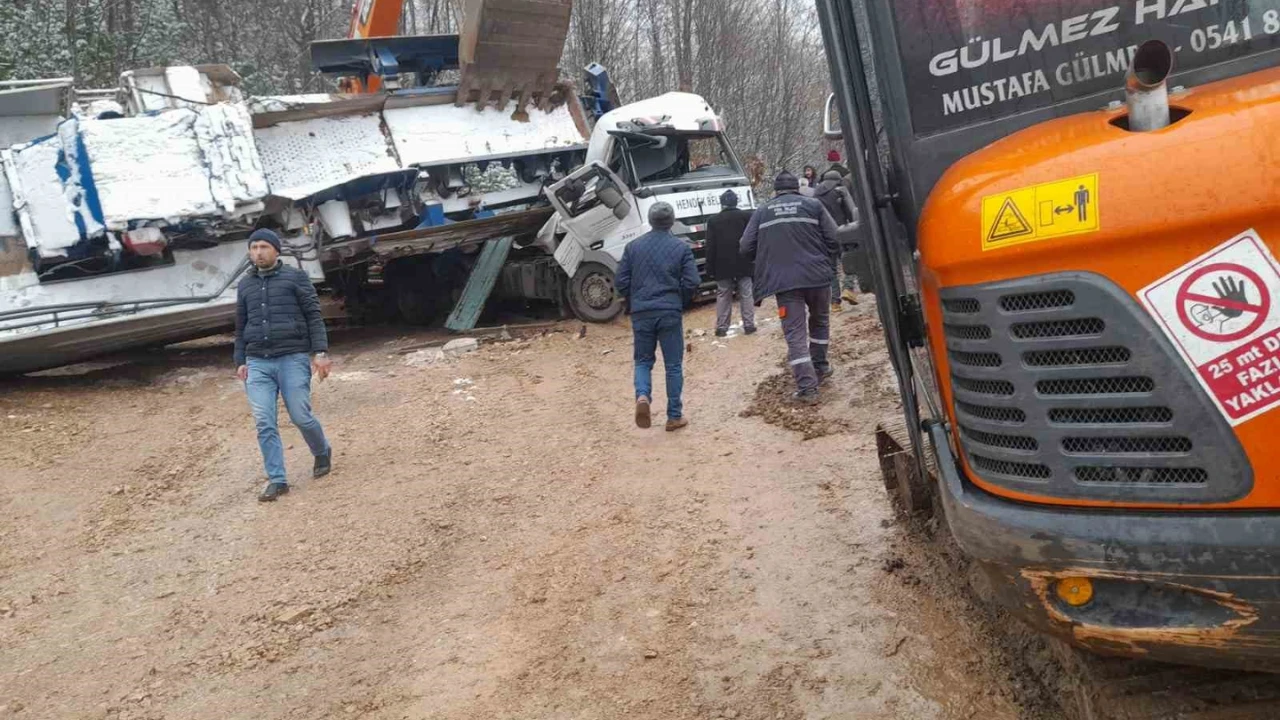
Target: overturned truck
x=123, y=215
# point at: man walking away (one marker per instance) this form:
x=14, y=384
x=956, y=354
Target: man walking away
x=658, y=277
x=280, y=342
x=830, y=194
x=726, y=265
x=792, y=240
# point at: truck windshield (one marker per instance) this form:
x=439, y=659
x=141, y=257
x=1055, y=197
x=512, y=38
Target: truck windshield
x=972, y=61
x=686, y=157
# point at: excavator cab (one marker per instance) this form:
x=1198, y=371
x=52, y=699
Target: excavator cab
x=1073, y=244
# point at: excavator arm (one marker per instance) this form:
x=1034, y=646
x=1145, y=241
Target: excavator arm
x=507, y=48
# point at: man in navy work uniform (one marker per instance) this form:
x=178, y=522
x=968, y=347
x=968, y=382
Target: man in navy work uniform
x=280, y=342
x=658, y=276
x=792, y=240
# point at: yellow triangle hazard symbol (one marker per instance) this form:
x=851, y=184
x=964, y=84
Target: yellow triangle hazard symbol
x=1009, y=223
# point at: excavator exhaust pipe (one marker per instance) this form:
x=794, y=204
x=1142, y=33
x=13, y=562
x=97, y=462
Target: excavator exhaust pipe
x=1146, y=93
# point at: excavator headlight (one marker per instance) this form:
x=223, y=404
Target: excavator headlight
x=1074, y=591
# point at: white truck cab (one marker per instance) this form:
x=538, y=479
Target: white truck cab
x=671, y=148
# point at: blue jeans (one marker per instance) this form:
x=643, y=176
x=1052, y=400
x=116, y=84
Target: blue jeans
x=664, y=328
x=289, y=376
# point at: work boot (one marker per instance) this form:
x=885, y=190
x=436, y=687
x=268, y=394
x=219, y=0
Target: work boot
x=849, y=296
x=806, y=397
x=273, y=491
x=749, y=331
x=837, y=307
x=324, y=463
x=642, y=412
x=825, y=372
x=674, y=424
x=721, y=333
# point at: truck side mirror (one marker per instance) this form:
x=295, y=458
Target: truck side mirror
x=829, y=131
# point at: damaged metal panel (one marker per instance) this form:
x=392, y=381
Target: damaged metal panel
x=445, y=134
x=180, y=86
x=443, y=237
x=304, y=157
x=13, y=251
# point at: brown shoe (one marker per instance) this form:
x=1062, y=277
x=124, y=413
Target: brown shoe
x=676, y=423
x=642, y=412
x=837, y=307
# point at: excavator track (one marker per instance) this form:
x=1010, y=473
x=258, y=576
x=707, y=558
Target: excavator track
x=1081, y=685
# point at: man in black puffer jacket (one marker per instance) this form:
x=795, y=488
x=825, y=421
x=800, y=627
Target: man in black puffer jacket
x=792, y=240
x=280, y=342
x=726, y=265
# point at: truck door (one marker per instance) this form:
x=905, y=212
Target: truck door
x=592, y=204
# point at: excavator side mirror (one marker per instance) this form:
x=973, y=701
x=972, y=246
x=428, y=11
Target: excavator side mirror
x=828, y=131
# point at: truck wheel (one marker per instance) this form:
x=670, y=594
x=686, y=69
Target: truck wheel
x=591, y=294
x=414, y=289
x=416, y=305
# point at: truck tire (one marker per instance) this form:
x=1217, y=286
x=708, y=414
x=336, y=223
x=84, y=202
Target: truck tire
x=416, y=305
x=591, y=294
x=415, y=290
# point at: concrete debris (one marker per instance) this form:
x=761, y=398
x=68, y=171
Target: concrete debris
x=461, y=346
x=422, y=358
x=294, y=614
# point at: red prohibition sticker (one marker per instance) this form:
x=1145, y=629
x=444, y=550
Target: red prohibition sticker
x=1236, y=286
x=1218, y=312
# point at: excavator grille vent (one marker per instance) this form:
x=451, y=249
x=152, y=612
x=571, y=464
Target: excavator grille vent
x=1063, y=387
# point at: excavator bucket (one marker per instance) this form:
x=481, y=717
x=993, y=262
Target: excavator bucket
x=511, y=48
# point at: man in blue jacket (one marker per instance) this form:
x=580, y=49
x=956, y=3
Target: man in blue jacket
x=280, y=342
x=658, y=276
x=792, y=240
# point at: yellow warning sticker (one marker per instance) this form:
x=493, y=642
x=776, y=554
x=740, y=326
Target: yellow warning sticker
x=1040, y=212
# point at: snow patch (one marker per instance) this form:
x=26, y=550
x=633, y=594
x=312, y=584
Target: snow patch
x=47, y=220
x=148, y=167
x=443, y=134
x=225, y=136
x=185, y=83
x=281, y=103
x=174, y=165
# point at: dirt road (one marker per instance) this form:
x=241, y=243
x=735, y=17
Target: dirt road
x=497, y=541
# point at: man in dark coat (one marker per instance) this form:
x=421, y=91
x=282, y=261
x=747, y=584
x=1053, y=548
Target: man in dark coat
x=727, y=266
x=792, y=240
x=280, y=342
x=658, y=277
x=831, y=193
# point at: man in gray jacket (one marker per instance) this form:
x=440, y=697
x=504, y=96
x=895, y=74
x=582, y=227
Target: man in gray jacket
x=792, y=240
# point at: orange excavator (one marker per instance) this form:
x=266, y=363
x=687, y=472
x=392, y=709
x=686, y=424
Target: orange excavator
x=507, y=48
x=1073, y=211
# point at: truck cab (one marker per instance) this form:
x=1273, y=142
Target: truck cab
x=671, y=148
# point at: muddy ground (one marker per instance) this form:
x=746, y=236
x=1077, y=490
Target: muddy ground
x=497, y=540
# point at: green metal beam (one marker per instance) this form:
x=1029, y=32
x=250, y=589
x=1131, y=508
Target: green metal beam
x=480, y=284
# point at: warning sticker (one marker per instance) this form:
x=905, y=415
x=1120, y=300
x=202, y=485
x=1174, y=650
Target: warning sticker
x=1039, y=212
x=1220, y=312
